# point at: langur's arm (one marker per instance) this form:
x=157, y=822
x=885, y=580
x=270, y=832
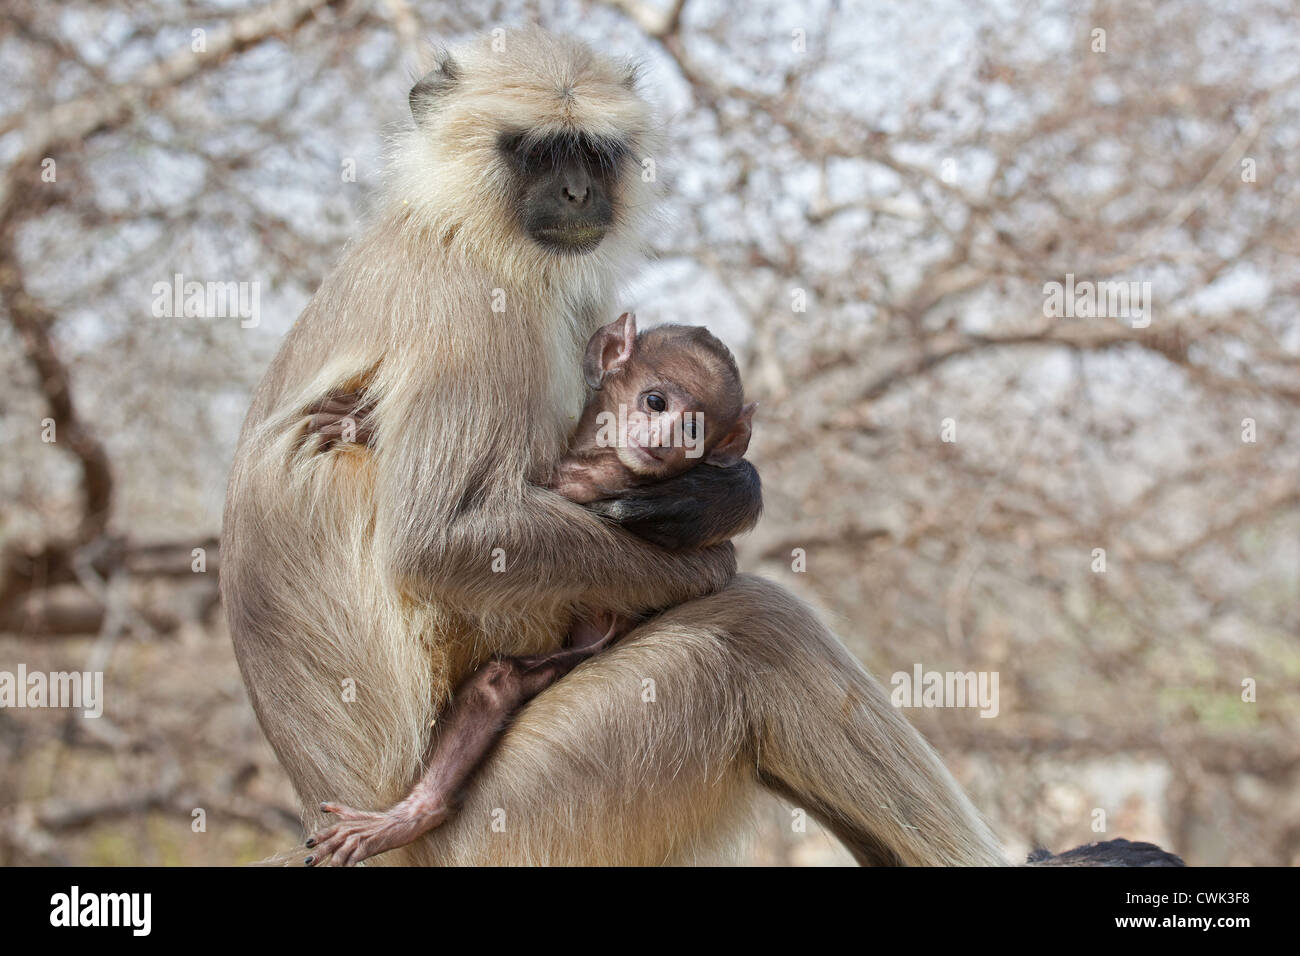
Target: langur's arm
x=484, y=540
x=538, y=547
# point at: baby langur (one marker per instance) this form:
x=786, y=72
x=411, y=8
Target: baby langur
x=665, y=401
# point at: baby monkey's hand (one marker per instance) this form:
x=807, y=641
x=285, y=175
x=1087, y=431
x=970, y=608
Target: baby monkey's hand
x=341, y=418
x=576, y=480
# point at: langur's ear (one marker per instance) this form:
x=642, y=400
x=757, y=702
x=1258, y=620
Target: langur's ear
x=438, y=82
x=735, y=443
x=631, y=74
x=609, y=349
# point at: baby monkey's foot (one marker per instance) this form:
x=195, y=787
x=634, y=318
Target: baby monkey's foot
x=361, y=834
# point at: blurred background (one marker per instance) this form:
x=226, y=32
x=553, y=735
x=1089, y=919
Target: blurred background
x=866, y=202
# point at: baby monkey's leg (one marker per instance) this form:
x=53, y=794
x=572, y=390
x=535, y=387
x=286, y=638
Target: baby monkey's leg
x=474, y=719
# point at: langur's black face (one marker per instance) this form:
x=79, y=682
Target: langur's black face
x=564, y=187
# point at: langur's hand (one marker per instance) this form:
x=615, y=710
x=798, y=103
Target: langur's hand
x=701, y=507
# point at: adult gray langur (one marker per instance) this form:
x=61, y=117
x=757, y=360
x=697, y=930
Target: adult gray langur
x=364, y=579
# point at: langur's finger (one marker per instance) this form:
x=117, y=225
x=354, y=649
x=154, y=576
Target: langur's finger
x=338, y=404
x=326, y=426
x=326, y=406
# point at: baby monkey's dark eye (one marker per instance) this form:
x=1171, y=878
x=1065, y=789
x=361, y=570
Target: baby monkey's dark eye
x=655, y=402
x=688, y=428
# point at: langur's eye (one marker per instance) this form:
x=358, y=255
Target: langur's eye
x=531, y=157
x=597, y=159
x=655, y=402
x=688, y=428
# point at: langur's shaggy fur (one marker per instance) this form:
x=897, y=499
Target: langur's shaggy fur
x=360, y=582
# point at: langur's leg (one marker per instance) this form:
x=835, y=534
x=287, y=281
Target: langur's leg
x=480, y=708
x=649, y=753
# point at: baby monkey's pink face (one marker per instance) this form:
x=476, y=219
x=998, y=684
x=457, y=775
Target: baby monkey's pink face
x=664, y=428
x=668, y=400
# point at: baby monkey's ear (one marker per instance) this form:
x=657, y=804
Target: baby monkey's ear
x=609, y=349
x=735, y=443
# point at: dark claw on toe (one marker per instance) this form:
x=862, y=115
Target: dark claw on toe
x=308, y=861
x=311, y=842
